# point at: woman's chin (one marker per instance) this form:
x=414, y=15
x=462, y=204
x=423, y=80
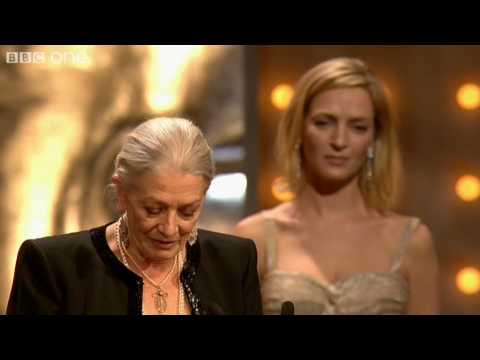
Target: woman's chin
x=163, y=250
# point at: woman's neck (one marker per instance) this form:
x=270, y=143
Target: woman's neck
x=331, y=202
x=153, y=268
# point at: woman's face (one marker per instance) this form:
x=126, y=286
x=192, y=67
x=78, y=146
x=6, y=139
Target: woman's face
x=162, y=206
x=339, y=128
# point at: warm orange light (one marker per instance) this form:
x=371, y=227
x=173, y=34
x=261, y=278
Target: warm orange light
x=468, y=96
x=468, y=188
x=165, y=74
x=281, y=191
x=281, y=96
x=468, y=280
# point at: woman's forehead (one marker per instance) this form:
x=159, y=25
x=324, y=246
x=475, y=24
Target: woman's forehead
x=167, y=185
x=352, y=101
x=168, y=198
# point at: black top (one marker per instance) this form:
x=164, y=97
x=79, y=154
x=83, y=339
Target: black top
x=78, y=273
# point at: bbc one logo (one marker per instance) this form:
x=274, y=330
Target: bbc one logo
x=40, y=57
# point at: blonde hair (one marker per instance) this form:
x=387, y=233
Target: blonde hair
x=341, y=73
x=165, y=141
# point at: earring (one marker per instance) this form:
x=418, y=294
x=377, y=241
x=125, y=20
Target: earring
x=298, y=162
x=370, y=160
x=124, y=229
x=192, y=237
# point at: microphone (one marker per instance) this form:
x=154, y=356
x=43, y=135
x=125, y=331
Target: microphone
x=287, y=308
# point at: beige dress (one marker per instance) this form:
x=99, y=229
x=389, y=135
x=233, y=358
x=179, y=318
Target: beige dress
x=362, y=293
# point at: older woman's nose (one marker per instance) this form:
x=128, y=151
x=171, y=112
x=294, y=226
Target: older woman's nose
x=170, y=226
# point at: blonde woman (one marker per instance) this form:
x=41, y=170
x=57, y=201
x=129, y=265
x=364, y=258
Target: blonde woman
x=337, y=248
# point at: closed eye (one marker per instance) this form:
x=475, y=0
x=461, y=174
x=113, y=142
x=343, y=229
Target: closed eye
x=361, y=128
x=321, y=122
x=153, y=211
x=188, y=213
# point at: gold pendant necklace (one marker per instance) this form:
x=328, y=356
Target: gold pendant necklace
x=159, y=295
x=160, y=300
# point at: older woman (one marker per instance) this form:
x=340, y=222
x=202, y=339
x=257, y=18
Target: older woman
x=154, y=259
x=337, y=248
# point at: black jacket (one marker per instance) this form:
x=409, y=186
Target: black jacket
x=78, y=273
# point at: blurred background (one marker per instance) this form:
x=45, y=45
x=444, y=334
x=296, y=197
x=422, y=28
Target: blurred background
x=65, y=109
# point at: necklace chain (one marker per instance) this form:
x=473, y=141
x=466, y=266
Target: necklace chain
x=160, y=295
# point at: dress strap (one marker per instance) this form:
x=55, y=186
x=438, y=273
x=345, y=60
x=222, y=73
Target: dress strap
x=402, y=247
x=271, y=244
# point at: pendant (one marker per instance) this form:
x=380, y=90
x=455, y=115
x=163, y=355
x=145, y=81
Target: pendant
x=160, y=300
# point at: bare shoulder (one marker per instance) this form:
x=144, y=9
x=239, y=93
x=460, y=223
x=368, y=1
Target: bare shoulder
x=397, y=219
x=251, y=227
x=421, y=240
x=254, y=225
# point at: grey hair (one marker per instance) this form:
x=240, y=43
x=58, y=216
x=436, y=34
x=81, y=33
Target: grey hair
x=165, y=141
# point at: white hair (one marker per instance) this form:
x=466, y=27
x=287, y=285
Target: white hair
x=165, y=141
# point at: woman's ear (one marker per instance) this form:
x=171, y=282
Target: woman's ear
x=121, y=196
